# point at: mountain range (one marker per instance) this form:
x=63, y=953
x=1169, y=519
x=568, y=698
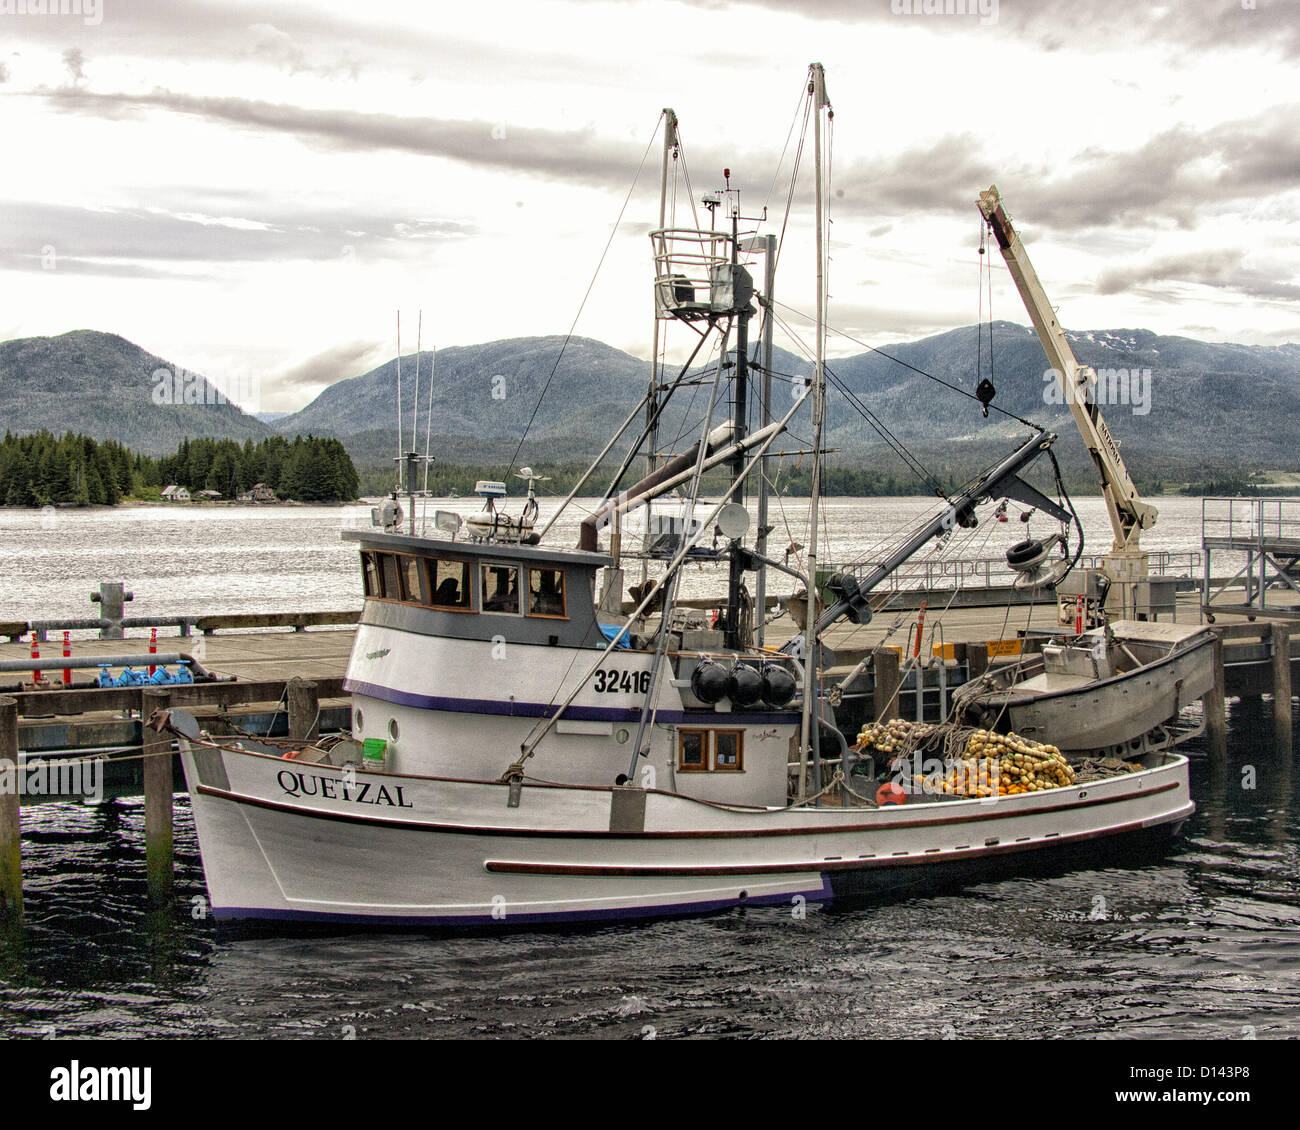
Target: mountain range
x=1185, y=404
x=106, y=387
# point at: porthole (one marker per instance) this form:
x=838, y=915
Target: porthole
x=621, y=735
x=392, y=728
x=360, y=721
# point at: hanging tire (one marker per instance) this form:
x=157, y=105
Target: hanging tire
x=1025, y=553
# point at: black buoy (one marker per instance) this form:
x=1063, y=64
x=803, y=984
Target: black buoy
x=709, y=682
x=779, y=685
x=745, y=685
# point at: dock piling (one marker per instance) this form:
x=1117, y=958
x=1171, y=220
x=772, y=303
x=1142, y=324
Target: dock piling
x=157, y=753
x=884, y=662
x=304, y=710
x=1281, y=638
x=11, y=852
x=1216, y=709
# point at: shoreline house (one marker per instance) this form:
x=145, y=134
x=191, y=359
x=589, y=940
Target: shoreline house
x=174, y=493
x=260, y=492
x=208, y=495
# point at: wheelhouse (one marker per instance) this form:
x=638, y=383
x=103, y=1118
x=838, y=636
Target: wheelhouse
x=480, y=590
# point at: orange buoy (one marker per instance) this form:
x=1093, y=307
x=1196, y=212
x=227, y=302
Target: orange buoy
x=891, y=793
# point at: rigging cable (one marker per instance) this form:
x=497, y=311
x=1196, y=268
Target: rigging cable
x=582, y=305
x=921, y=372
x=979, y=302
x=877, y=425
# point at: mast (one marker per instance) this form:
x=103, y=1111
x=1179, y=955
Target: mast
x=739, y=417
x=764, y=418
x=809, y=739
x=652, y=397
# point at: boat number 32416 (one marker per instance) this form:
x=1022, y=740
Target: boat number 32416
x=627, y=682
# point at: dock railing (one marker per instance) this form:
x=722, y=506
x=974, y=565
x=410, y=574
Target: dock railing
x=1262, y=538
x=1250, y=523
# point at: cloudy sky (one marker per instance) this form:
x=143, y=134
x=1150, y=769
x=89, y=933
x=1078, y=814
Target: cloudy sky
x=254, y=189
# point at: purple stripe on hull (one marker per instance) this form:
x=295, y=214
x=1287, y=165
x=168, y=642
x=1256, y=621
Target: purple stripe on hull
x=822, y=894
x=545, y=710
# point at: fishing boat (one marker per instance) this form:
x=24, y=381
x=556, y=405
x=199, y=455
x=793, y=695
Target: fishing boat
x=525, y=749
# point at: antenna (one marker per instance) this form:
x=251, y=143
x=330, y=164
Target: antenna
x=415, y=407
x=399, y=400
x=428, y=432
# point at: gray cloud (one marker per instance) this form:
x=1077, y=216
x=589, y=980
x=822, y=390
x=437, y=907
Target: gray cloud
x=75, y=61
x=577, y=155
x=303, y=38
x=348, y=359
x=110, y=241
x=1057, y=24
x=1171, y=178
x=1223, y=269
x=1210, y=268
x=1176, y=177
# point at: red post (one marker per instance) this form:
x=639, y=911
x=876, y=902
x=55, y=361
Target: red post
x=920, y=630
x=1078, y=615
x=153, y=648
x=36, y=654
x=67, y=653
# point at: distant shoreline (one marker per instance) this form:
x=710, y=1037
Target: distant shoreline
x=162, y=504
x=1279, y=490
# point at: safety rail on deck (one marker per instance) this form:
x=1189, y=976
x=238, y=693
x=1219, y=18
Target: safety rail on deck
x=994, y=572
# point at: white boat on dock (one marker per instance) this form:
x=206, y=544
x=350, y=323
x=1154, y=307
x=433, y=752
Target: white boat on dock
x=1111, y=688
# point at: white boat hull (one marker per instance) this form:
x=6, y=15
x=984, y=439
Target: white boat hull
x=1104, y=715
x=314, y=843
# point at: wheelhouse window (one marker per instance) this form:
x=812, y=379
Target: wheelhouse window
x=710, y=751
x=371, y=583
x=546, y=592
x=449, y=584
x=409, y=569
x=391, y=577
x=501, y=589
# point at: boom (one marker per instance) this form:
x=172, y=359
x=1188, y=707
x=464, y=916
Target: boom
x=1129, y=515
x=1126, y=565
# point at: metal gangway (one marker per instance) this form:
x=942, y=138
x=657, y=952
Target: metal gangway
x=1261, y=537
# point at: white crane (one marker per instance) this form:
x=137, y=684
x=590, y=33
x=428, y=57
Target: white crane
x=1126, y=564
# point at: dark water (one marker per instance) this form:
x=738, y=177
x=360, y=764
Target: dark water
x=1201, y=942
